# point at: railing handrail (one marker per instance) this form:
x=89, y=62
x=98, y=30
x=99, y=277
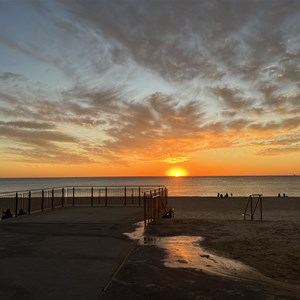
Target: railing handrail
x=28, y=201
x=82, y=186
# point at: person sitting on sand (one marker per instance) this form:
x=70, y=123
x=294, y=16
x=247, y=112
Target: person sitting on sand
x=7, y=214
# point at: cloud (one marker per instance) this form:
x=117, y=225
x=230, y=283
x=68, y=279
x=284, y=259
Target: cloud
x=233, y=98
x=33, y=136
x=52, y=155
x=107, y=125
x=201, y=39
x=278, y=151
x=10, y=76
x=27, y=124
x=230, y=68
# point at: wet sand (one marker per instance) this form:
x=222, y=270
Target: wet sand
x=271, y=247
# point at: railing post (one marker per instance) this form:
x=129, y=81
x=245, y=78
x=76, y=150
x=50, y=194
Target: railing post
x=52, y=199
x=166, y=195
x=261, y=217
x=158, y=204
x=139, y=196
x=132, y=195
x=145, y=211
x=16, y=208
x=62, y=197
x=66, y=197
x=106, y=196
x=92, y=196
x=125, y=197
x=73, y=196
x=151, y=205
x=251, y=208
x=43, y=195
x=29, y=202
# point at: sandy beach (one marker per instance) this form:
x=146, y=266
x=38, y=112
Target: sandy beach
x=271, y=247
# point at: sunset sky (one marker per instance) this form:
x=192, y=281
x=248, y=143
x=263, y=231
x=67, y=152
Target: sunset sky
x=138, y=87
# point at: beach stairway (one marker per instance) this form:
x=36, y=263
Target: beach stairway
x=253, y=202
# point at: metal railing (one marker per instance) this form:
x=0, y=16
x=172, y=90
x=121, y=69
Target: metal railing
x=249, y=206
x=14, y=204
x=155, y=205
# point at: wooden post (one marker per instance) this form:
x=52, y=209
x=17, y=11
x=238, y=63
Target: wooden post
x=73, y=197
x=62, y=197
x=125, y=196
x=251, y=208
x=261, y=214
x=139, y=196
x=166, y=197
x=145, y=211
x=158, y=204
x=52, y=199
x=43, y=196
x=106, y=196
x=29, y=202
x=92, y=196
x=16, y=208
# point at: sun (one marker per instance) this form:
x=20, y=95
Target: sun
x=176, y=172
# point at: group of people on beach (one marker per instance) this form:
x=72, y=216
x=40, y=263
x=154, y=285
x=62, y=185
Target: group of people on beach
x=225, y=196
x=283, y=195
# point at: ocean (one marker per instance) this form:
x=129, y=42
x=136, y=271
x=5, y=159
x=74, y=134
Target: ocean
x=178, y=186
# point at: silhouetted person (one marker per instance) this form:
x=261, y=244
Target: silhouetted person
x=226, y=195
x=279, y=195
x=21, y=212
x=7, y=214
x=218, y=195
x=221, y=195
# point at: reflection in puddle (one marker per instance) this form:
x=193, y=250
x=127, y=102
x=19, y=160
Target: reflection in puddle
x=186, y=252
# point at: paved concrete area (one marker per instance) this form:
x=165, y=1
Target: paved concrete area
x=68, y=253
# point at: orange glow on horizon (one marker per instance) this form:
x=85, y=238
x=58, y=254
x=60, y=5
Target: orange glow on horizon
x=217, y=162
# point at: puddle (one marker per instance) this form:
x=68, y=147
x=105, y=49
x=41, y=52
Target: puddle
x=187, y=252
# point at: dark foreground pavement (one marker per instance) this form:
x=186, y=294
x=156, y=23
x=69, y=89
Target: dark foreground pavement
x=63, y=254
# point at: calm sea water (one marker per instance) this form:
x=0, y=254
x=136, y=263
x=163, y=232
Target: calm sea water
x=181, y=186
